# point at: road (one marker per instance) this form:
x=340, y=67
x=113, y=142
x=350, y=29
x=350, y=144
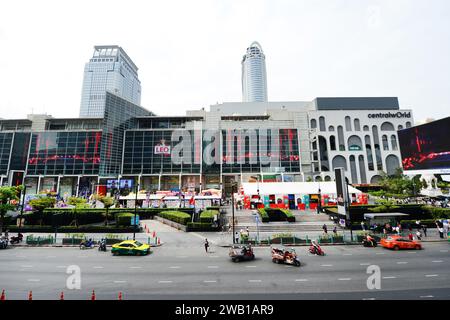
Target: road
x=182, y=270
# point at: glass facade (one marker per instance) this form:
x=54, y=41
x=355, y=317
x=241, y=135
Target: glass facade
x=19, y=155
x=5, y=151
x=65, y=153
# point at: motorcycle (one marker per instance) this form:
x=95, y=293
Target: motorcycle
x=102, y=245
x=87, y=244
x=241, y=253
x=3, y=243
x=369, y=244
x=316, y=250
x=286, y=256
x=16, y=240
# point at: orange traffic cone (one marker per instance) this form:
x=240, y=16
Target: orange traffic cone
x=3, y=297
x=159, y=242
x=61, y=297
x=120, y=295
x=154, y=234
x=30, y=295
x=93, y=295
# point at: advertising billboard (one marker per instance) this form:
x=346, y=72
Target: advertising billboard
x=341, y=191
x=425, y=149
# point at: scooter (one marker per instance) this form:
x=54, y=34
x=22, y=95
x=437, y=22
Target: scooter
x=3, y=243
x=316, y=250
x=370, y=244
x=87, y=244
x=15, y=240
x=102, y=245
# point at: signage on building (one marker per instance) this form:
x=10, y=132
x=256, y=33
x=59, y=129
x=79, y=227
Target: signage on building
x=390, y=115
x=162, y=149
x=354, y=148
x=341, y=192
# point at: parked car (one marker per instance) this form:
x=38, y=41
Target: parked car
x=397, y=242
x=130, y=247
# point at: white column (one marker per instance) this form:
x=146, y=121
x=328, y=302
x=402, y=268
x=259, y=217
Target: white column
x=39, y=184
x=78, y=186
x=57, y=185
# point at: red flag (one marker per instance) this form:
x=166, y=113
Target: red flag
x=192, y=201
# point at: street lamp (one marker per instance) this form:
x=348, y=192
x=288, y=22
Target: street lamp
x=233, y=183
x=24, y=193
x=135, y=211
x=319, y=204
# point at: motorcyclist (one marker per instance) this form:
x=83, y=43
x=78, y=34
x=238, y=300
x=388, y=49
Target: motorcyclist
x=315, y=246
x=370, y=240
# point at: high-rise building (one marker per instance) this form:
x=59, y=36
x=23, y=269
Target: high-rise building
x=254, y=77
x=109, y=69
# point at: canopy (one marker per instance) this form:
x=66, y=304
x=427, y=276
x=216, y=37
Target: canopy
x=384, y=215
x=328, y=187
x=142, y=196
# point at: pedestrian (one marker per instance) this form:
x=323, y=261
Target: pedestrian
x=363, y=226
x=325, y=230
x=248, y=231
x=410, y=236
x=424, y=229
x=236, y=237
x=445, y=225
x=441, y=232
x=419, y=235
x=335, y=231
x=206, y=245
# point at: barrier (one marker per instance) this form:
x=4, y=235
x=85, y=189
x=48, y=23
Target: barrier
x=30, y=295
x=120, y=295
x=61, y=297
x=93, y=295
x=3, y=296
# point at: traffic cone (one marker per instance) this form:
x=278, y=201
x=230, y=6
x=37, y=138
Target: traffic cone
x=120, y=295
x=93, y=295
x=154, y=234
x=159, y=242
x=30, y=295
x=61, y=297
x=3, y=297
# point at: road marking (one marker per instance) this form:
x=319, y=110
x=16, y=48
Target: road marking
x=402, y=262
x=364, y=264
x=26, y=266
x=254, y=280
x=213, y=256
x=165, y=281
x=250, y=266
x=61, y=267
x=174, y=267
x=98, y=267
x=431, y=275
x=301, y=280
x=119, y=281
x=437, y=261
x=390, y=277
x=412, y=252
x=380, y=253
x=443, y=250
x=368, y=298
x=326, y=265
x=427, y=296
x=213, y=267
x=135, y=267
x=209, y=281
x=182, y=257
x=348, y=254
x=51, y=256
x=345, y=279
x=34, y=280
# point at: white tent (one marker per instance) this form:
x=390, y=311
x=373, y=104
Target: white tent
x=328, y=187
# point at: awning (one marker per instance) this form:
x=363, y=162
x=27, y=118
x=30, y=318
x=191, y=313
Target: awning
x=384, y=215
x=328, y=187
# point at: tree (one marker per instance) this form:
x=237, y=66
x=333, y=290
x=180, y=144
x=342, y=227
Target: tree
x=40, y=204
x=107, y=202
x=7, y=196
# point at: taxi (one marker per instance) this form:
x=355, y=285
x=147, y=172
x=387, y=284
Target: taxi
x=130, y=247
x=397, y=242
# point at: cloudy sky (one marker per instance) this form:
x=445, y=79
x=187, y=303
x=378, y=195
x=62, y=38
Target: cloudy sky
x=189, y=52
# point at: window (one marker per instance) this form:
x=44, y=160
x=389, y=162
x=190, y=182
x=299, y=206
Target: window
x=387, y=126
x=313, y=124
x=348, y=124
x=322, y=123
x=330, y=128
x=394, y=142
x=385, y=142
x=332, y=142
x=366, y=128
x=357, y=125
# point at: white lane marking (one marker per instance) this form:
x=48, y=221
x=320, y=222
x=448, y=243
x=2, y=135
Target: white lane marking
x=368, y=298
x=437, y=261
x=443, y=250
x=136, y=267
x=301, y=280
x=254, y=280
x=61, y=267
x=390, y=277
x=364, y=264
x=209, y=281
x=348, y=254
x=174, y=267
x=51, y=256
x=34, y=280
x=250, y=266
x=98, y=267
x=26, y=266
x=182, y=257
x=213, y=267
x=344, y=279
x=326, y=265
x=402, y=262
x=412, y=252
x=119, y=281
x=82, y=256
x=427, y=296
x=165, y=281
x=380, y=253
x=431, y=275
x=213, y=256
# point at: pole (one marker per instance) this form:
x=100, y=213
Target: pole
x=232, y=209
x=135, y=212
x=347, y=208
x=21, y=208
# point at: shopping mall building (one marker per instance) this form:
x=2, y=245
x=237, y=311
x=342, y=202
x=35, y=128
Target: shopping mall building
x=242, y=142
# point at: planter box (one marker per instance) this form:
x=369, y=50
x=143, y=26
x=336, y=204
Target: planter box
x=75, y=241
x=113, y=241
x=39, y=241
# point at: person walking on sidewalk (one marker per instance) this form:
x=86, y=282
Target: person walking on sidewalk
x=335, y=231
x=206, y=245
x=325, y=230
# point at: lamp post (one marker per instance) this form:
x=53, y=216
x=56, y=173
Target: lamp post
x=24, y=193
x=232, y=207
x=135, y=211
x=347, y=209
x=319, y=203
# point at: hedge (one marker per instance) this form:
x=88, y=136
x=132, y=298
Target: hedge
x=176, y=216
x=200, y=226
x=207, y=216
x=437, y=213
x=271, y=214
x=264, y=215
x=70, y=229
x=124, y=219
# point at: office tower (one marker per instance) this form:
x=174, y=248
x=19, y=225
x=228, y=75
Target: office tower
x=109, y=69
x=254, y=77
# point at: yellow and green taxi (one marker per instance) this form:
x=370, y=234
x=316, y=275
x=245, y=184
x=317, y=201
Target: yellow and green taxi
x=130, y=247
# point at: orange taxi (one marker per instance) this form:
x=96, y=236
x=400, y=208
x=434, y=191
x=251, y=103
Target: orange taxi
x=396, y=242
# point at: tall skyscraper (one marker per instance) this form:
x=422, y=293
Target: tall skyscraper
x=254, y=77
x=109, y=69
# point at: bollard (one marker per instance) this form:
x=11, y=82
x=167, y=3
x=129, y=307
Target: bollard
x=154, y=234
x=120, y=295
x=30, y=295
x=3, y=296
x=61, y=297
x=93, y=295
x=159, y=242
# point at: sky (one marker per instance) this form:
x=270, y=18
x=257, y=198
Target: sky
x=189, y=52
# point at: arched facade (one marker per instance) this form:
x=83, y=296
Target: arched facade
x=392, y=164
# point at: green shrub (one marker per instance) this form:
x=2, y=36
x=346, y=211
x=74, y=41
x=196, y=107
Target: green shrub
x=207, y=216
x=264, y=215
x=176, y=216
x=124, y=219
x=199, y=226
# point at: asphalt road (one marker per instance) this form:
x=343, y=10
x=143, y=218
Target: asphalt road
x=179, y=271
